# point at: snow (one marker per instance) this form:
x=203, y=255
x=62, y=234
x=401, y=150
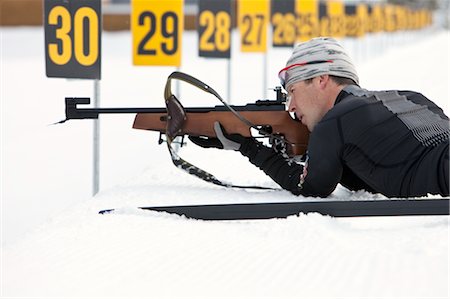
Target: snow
x=54, y=244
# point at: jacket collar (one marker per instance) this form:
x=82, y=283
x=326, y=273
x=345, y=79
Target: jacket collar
x=347, y=90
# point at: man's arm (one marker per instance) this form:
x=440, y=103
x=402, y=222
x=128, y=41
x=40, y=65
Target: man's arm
x=322, y=171
x=318, y=177
x=281, y=169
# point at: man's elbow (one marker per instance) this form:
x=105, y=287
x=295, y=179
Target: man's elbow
x=310, y=191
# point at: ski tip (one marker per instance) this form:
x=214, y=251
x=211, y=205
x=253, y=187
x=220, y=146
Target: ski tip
x=58, y=122
x=106, y=211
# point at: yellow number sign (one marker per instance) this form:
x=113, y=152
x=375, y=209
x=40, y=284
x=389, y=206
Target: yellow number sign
x=253, y=18
x=157, y=28
x=307, y=19
x=375, y=18
x=337, y=18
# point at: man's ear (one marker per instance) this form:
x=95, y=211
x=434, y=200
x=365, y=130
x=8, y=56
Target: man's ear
x=323, y=81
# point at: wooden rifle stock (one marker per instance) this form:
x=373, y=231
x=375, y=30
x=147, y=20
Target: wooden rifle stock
x=200, y=122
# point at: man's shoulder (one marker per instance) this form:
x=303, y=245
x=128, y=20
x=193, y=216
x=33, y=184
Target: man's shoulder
x=356, y=92
x=354, y=97
x=348, y=102
x=361, y=104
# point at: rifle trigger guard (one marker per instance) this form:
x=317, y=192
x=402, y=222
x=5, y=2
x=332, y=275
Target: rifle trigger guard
x=265, y=130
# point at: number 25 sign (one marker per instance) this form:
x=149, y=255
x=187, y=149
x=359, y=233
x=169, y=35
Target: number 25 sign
x=157, y=27
x=73, y=38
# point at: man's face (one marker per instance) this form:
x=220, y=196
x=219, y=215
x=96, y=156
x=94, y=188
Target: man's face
x=306, y=101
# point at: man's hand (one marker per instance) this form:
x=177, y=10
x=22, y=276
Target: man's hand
x=223, y=141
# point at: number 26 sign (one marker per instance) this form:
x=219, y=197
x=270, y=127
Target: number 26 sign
x=73, y=38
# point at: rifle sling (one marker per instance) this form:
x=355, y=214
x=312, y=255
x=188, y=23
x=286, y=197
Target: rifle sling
x=175, y=122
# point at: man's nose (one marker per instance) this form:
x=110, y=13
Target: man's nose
x=291, y=106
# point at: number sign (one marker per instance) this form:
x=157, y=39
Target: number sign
x=363, y=16
x=336, y=14
x=307, y=19
x=157, y=27
x=375, y=18
x=214, y=28
x=332, y=18
x=73, y=38
x=283, y=23
x=352, y=22
x=324, y=20
x=389, y=18
x=253, y=18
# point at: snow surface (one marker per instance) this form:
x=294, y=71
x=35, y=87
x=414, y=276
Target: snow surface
x=54, y=244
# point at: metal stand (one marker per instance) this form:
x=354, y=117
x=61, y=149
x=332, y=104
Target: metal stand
x=96, y=142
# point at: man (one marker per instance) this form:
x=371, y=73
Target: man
x=390, y=142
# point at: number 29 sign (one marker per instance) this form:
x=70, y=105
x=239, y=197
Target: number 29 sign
x=73, y=38
x=157, y=27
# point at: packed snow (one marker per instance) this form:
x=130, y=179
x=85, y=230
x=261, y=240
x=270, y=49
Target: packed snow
x=54, y=244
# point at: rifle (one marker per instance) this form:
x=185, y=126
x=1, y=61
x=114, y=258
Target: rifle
x=268, y=117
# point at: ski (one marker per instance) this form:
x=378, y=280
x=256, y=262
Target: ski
x=360, y=208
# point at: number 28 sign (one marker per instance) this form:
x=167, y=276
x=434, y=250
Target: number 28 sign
x=73, y=38
x=157, y=27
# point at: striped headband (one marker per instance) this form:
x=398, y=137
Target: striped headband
x=316, y=57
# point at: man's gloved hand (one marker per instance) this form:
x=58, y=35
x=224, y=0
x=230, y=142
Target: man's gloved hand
x=282, y=171
x=223, y=141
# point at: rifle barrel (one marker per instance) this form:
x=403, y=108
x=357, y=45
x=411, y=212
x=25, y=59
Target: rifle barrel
x=120, y=110
x=74, y=112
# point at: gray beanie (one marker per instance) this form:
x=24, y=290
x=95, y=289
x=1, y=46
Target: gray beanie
x=316, y=57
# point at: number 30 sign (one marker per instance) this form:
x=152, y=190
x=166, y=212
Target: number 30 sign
x=72, y=38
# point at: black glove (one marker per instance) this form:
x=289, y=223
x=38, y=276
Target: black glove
x=223, y=141
x=282, y=171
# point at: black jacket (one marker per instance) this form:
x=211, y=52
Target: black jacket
x=390, y=142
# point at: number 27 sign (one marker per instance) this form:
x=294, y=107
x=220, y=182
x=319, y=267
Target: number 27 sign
x=157, y=27
x=73, y=38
